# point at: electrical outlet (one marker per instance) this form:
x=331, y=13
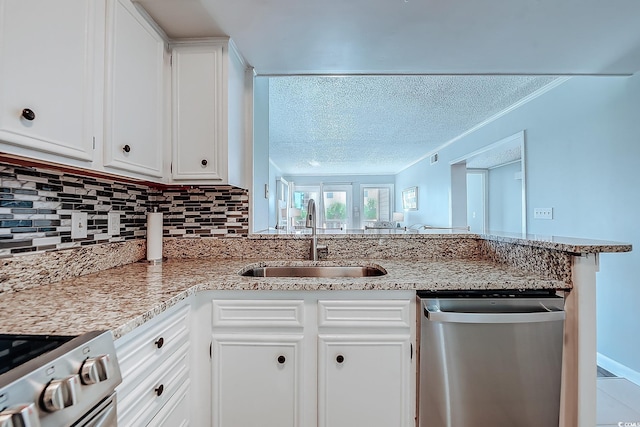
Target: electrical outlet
x=79, y=225
x=113, y=224
x=543, y=213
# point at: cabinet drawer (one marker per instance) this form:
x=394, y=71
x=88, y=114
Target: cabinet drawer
x=139, y=402
x=150, y=345
x=175, y=413
x=259, y=313
x=365, y=314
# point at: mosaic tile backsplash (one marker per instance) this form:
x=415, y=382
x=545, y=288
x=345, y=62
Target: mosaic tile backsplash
x=204, y=211
x=36, y=206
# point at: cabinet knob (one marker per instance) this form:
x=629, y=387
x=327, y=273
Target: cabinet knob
x=28, y=114
x=159, y=390
x=160, y=342
x=281, y=359
x=340, y=358
x=126, y=148
x=204, y=162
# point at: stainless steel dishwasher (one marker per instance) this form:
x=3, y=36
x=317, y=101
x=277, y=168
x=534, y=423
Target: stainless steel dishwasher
x=490, y=358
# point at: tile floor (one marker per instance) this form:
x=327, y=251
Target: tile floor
x=618, y=402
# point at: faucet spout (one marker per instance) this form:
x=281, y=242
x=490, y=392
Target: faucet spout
x=311, y=223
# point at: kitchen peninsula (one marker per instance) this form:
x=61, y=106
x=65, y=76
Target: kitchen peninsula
x=129, y=296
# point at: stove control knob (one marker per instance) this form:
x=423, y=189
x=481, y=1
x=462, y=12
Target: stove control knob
x=95, y=370
x=60, y=394
x=20, y=416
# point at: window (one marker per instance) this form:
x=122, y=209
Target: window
x=377, y=204
x=336, y=206
x=301, y=196
x=339, y=208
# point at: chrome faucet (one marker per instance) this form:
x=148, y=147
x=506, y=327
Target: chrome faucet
x=311, y=223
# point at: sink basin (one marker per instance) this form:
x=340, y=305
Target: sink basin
x=315, y=271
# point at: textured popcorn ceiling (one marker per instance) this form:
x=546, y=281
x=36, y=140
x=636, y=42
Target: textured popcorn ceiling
x=321, y=125
x=506, y=153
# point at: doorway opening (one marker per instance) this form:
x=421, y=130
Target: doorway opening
x=488, y=188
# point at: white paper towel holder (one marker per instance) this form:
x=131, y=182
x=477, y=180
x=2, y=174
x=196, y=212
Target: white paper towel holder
x=158, y=234
x=154, y=261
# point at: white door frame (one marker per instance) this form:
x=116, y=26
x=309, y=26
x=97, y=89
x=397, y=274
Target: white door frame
x=458, y=197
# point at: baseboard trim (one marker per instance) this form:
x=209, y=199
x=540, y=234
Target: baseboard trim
x=618, y=369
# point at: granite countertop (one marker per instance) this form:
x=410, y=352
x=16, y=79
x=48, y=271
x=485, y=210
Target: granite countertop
x=122, y=298
x=572, y=245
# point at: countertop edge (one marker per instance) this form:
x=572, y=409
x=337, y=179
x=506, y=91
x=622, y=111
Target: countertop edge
x=559, y=243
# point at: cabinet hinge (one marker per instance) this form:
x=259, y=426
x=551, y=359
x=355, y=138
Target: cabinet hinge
x=411, y=351
x=171, y=60
x=171, y=167
x=210, y=350
x=94, y=142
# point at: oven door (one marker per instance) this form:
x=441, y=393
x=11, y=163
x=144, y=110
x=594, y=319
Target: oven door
x=103, y=415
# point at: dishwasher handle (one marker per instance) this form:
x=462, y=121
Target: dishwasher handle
x=456, y=317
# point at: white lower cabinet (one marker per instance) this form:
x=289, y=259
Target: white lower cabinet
x=155, y=361
x=272, y=359
x=365, y=362
x=364, y=380
x=257, y=380
x=313, y=362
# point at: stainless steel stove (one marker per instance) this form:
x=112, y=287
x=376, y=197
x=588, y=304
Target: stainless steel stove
x=58, y=381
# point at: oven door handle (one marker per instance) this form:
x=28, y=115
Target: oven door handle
x=436, y=315
x=103, y=415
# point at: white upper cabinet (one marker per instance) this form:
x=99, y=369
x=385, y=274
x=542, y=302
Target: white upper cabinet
x=209, y=108
x=88, y=83
x=47, y=77
x=134, y=101
x=197, y=112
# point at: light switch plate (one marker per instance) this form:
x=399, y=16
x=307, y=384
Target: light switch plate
x=79, y=225
x=113, y=224
x=543, y=213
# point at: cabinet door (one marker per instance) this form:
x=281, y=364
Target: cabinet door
x=134, y=100
x=257, y=380
x=364, y=380
x=46, y=66
x=199, y=149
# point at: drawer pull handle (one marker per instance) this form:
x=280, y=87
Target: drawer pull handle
x=28, y=114
x=204, y=162
x=281, y=359
x=340, y=358
x=159, y=390
x=126, y=148
x=160, y=342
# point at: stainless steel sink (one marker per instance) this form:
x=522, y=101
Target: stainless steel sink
x=315, y=271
